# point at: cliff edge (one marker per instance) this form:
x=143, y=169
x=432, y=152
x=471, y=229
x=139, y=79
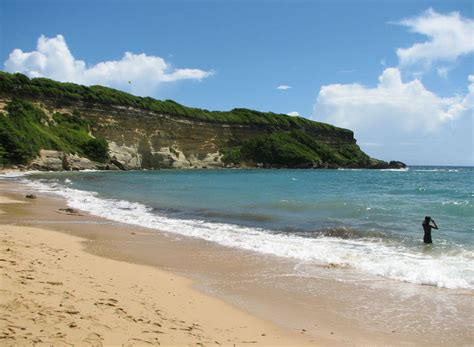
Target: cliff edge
x=51, y=125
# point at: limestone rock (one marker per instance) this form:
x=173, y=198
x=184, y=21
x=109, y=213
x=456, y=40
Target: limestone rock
x=76, y=163
x=48, y=160
x=124, y=157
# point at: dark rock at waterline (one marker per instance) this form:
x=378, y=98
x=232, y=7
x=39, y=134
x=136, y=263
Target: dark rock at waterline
x=69, y=211
x=397, y=165
x=384, y=165
x=30, y=196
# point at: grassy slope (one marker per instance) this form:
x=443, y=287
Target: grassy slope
x=21, y=86
x=25, y=129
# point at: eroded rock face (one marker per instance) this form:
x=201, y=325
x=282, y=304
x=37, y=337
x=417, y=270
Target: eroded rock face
x=49, y=160
x=143, y=139
x=75, y=163
x=126, y=157
x=161, y=141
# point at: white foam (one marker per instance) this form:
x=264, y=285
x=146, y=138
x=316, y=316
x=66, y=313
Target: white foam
x=449, y=271
x=15, y=174
x=396, y=170
x=456, y=203
x=436, y=170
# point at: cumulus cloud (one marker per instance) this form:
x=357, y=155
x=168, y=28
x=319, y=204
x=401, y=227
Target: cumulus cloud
x=449, y=36
x=404, y=120
x=395, y=112
x=138, y=73
x=293, y=114
x=408, y=106
x=283, y=87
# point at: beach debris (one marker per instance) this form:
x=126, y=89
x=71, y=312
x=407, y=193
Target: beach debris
x=336, y=266
x=30, y=196
x=69, y=211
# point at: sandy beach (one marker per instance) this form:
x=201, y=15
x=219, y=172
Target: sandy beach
x=55, y=293
x=80, y=279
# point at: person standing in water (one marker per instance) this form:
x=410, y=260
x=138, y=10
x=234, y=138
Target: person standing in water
x=427, y=226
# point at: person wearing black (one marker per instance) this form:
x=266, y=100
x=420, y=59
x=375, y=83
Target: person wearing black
x=427, y=226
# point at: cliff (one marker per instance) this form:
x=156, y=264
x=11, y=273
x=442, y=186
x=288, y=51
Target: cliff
x=116, y=130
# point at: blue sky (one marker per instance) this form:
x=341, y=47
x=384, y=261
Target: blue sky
x=395, y=72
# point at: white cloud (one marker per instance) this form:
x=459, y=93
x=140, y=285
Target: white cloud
x=395, y=112
x=293, y=114
x=138, y=73
x=405, y=120
x=449, y=36
x=283, y=87
x=408, y=106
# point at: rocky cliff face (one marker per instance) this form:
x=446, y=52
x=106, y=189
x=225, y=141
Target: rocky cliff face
x=144, y=133
x=50, y=160
x=141, y=139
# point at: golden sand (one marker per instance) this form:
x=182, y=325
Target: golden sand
x=53, y=292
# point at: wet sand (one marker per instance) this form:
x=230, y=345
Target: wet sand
x=318, y=310
x=54, y=293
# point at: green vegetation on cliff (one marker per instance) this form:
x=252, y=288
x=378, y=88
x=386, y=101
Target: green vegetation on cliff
x=153, y=138
x=295, y=149
x=26, y=129
x=21, y=86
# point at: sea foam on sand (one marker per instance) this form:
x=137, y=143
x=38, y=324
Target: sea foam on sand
x=369, y=256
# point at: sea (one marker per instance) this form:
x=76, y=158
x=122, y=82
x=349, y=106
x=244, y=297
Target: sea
x=365, y=220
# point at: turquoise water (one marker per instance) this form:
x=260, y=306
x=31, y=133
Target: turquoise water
x=366, y=219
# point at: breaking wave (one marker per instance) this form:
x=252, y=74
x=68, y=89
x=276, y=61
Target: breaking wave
x=342, y=247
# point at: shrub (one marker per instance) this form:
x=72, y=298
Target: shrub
x=96, y=149
x=232, y=155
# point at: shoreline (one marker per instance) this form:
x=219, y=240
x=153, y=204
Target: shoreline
x=55, y=291
x=330, y=315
